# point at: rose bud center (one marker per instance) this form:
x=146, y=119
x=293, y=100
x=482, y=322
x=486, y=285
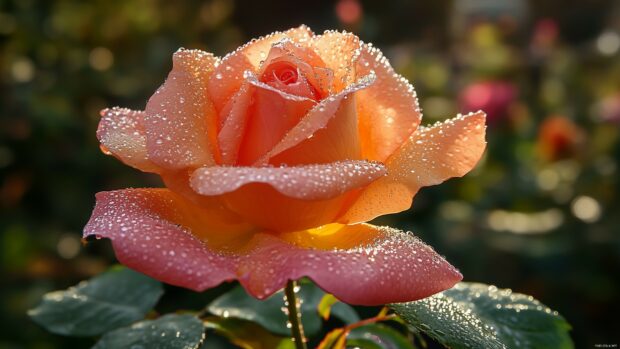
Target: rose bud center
x=289, y=77
x=284, y=72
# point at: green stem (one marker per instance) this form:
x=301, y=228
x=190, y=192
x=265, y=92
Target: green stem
x=294, y=314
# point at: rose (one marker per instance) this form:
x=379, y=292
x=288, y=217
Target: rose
x=271, y=157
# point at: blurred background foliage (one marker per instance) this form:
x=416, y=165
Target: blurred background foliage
x=540, y=214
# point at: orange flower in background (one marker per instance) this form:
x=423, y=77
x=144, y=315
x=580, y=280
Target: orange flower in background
x=273, y=157
x=559, y=138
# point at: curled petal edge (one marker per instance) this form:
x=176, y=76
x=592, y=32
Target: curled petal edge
x=306, y=182
x=430, y=156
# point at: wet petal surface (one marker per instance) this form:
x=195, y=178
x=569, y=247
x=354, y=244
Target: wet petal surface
x=339, y=50
x=430, y=156
x=360, y=264
x=146, y=232
x=384, y=264
x=121, y=133
x=233, y=119
x=388, y=110
x=309, y=182
x=338, y=140
x=228, y=76
x=272, y=114
x=317, y=118
x=180, y=120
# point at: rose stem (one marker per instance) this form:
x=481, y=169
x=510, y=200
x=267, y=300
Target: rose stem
x=294, y=314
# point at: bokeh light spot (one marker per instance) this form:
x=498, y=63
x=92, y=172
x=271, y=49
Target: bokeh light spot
x=586, y=208
x=101, y=58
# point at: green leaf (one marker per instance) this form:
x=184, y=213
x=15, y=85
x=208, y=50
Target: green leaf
x=377, y=336
x=473, y=315
x=168, y=332
x=246, y=334
x=345, y=313
x=268, y=313
x=111, y=300
x=325, y=305
x=331, y=305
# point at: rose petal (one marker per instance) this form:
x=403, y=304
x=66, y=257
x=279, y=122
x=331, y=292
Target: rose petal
x=305, y=60
x=235, y=115
x=310, y=182
x=360, y=264
x=316, y=119
x=339, y=51
x=180, y=121
x=430, y=156
x=243, y=138
x=228, y=76
x=121, y=133
x=273, y=114
x=338, y=140
x=388, y=110
x=149, y=234
x=262, y=205
x=178, y=182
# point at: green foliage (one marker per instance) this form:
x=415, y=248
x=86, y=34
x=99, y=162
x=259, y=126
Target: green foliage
x=469, y=315
x=473, y=315
x=325, y=305
x=246, y=334
x=168, y=332
x=377, y=336
x=268, y=313
x=111, y=300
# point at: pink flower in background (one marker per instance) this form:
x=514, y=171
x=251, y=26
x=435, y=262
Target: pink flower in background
x=494, y=97
x=349, y=12
x=608, y=108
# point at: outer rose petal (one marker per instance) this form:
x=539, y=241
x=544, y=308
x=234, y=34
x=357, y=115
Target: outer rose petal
x=121, y=133
x=384, y=264
x=143, y=225
x=388, y=110
x=359, y=264
x=319, y=118
x=180, y=120
x=430, y=156
x=228, y=76
x=310, y=182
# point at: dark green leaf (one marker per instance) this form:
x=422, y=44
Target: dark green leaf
x=331, y=305
x=111, y=300
x=168, y=332
x=345, y=313
x=473, y=315
x=268, y=313
x=246, y=334
x=377, y=336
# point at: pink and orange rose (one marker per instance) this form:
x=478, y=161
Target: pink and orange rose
x=273, y=158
